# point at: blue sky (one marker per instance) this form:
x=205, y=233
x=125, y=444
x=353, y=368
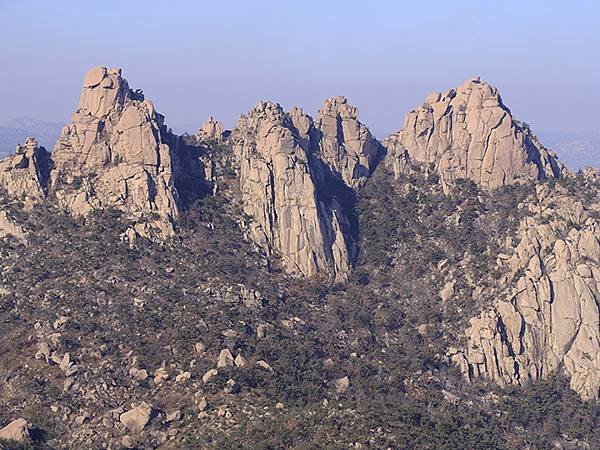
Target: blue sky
x=196, y=58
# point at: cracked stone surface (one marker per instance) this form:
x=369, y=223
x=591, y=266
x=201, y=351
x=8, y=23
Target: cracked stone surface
x=469, y=133
x=24, y=175
x=279, y=192
x=345, y=144
x=116, y=152
x=548, y=319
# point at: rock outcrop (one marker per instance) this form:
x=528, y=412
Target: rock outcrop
x=137, y=418
x=280, y=194
x=211, y=130
x=24, y=175
x=469, y=133
x=116, y=152
x=17, y=431
x=345, y=144
x=548, y=319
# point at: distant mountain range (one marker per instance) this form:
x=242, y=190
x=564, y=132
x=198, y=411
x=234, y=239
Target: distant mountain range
x=576, y=150
x=14, y=132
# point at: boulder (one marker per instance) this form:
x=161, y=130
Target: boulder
x=209, y=375
x=225, y=359
x=17, y=430
x=137, y=418
x=342, y=385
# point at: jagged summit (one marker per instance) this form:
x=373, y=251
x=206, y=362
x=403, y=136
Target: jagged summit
x=24, y=175
x=468, y=132
x=116, y=152
x=346, y=144
x=298, y=176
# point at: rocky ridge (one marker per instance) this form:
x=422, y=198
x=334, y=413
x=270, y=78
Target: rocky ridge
x=548, y=317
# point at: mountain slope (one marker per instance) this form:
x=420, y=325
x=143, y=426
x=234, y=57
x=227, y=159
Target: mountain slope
x=314, y=289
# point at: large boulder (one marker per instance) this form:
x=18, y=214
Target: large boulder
x=137, y=418
x=469, y=133
x=17, y=430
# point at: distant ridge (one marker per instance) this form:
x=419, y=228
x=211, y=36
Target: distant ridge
x=16, y=131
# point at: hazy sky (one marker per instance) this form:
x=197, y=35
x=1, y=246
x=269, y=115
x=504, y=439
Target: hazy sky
x=196, y=58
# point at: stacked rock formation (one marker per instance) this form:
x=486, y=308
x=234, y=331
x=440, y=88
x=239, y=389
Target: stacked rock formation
x=211, y=130
x=116, y=152
x=345, y=144
x=549, y=318
x=279, y=192
x=468, y=133
x=24, y=175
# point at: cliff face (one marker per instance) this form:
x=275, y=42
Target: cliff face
x=278, y=190
x=116, y=152
x=548, y=317
x=469, y=133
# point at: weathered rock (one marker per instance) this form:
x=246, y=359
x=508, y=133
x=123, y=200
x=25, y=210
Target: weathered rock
x=231, y=387
x=211, y=130
x=138, y=374
x=240, y=361
x=264, y=365
x=116, y=152
x=342, y=385
x=279, y=193
x=549, y=318
x=225, y=359
x=203, y=404
x=209, y=375
x=345, y=144
x=24, y=175
x=183, y=377
x=17, y=430
x=199, y=347
x=137, y=418
x=161, y=374
x=469, y=133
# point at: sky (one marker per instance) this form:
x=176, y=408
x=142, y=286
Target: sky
x=199, y=58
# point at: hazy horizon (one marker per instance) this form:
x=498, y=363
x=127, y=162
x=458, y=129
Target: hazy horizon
x=221, y=59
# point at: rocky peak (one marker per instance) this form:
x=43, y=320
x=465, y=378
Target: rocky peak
x=469, y=133
x=103, y=91
x=24, y=175
x=345, y=144
x=279, y=192
x=116, y=152
x=211, y=130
